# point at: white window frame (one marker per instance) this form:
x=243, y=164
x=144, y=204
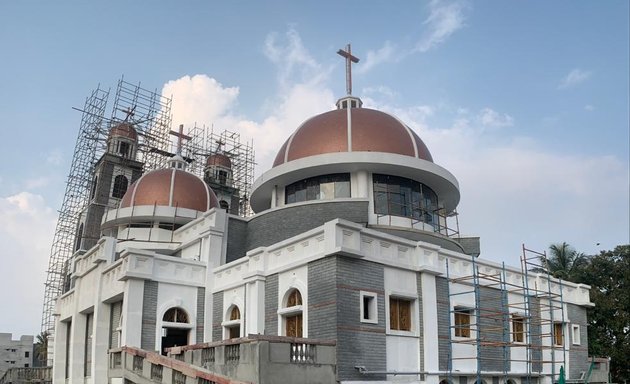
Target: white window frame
x=413, y=308
x=575, y=334
x=524, y=331
x=471, y=324
x=227, y=323
x=372, y=310
x=554, y=336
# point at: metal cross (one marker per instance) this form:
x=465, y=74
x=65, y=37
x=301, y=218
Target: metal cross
x=180, y=135
x=347, y=54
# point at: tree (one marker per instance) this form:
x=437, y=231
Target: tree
x=563, y=262
x=608, y=274
x=41, y=348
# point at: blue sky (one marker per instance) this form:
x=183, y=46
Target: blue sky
x=526, y=103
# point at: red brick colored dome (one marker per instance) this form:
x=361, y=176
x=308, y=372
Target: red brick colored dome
x=370, y=131
x=219, y=159
x=124, y=129
x=170, y=187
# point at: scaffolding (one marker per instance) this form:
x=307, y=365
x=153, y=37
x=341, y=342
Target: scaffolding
x=501, y=315
x=150, y=114
x=205, y=142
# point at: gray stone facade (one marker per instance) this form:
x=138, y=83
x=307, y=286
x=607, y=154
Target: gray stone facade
x=102, y=198
x=236, y=238
x=271, y=305
x=443, y=314
x=535, y=331
x=149, y=313
x=322, y=300
x=420, y=321
x=334, y=298
x=492, y=319
x=217, y=316
x=578, y=356
x=201, y=310
x=274, y=226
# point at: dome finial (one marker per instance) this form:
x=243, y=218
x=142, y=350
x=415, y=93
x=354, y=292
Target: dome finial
x=347, y=54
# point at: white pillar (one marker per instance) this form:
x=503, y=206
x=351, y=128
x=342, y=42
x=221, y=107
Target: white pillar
x=361, y=188
x=132, y=313
x=430, y=326
x=100, y=342
x=255, y=306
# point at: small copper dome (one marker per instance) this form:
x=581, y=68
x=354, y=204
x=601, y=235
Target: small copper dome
x=124, y=129
x=370, y=131
x=219, y=159
x=170, y=187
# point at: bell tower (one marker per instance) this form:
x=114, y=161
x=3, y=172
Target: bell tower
x=114, y=172
x=219, y=176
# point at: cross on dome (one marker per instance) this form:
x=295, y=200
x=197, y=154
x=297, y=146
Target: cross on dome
x=347, y=54
x=178, y=161
x=180, y=136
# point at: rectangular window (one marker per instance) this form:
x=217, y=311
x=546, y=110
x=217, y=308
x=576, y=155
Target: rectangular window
x=575, y=334
x=518, y=328
x=399, y=314
x=462, y=322
x=369, y=312
x=26, y=354
x=558, y=337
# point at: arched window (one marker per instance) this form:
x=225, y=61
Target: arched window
x=77, y=244
x=120, y=186
x=232, y=323
x=94, y=184
x=292, y=314
x=224, y=205
x=175, y=315
x=175, y=329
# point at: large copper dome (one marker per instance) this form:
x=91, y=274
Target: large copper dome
x=170, y=187
x=352, y=130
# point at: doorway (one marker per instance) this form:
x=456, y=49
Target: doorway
x=174, y=337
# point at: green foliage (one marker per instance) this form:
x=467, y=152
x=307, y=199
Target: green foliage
x=41, y=347
x=608, y=274
x=563, y=262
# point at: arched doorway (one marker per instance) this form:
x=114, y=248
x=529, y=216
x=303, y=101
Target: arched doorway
x=175, y=328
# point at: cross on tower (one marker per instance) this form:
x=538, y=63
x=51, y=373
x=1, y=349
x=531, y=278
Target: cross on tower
x=129, y=112
x=180, y=135
x=347, y=54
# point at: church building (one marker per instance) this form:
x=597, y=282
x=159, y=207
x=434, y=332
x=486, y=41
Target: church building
x=351, y=246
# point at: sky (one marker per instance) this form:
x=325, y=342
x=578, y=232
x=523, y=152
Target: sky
x=526, y=103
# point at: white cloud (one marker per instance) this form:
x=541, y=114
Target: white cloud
x=387, y=53
x=26, y=234
x=301, y=94
x=199, y=99
x=519, y=192
x=38, y=182
x=445, y=18
x=54, y=157
x=293, y=61
x=493, y=119
x=573, y=78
